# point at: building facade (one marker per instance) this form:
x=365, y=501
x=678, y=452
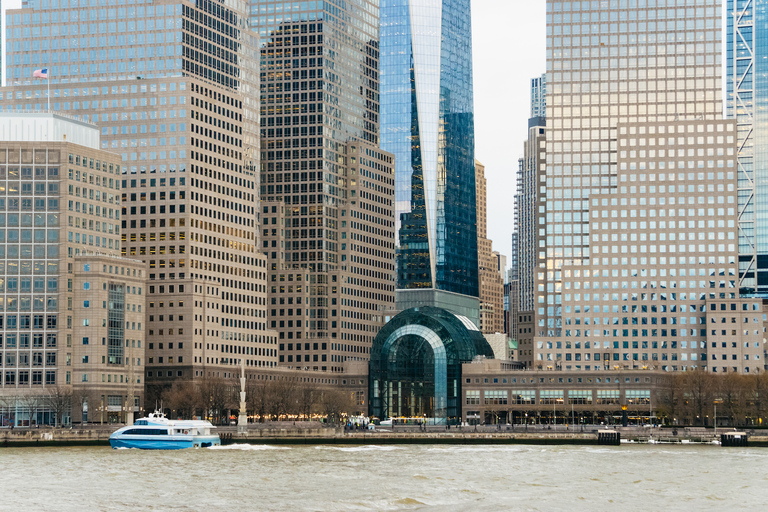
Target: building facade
x=746, y=88
x=72, y=308
x=491, y=281
x=427, y=122
x=496, y=392
x=327, y=188
x=416, y=363
x=539, y=96
x=593, y=106
x=173, y=88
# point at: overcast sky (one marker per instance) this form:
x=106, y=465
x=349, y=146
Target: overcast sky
x=508, y=46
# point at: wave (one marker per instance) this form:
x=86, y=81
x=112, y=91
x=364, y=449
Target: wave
x=367, y=448
x=248, y=447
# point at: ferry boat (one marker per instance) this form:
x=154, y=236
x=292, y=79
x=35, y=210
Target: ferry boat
x=156, y=432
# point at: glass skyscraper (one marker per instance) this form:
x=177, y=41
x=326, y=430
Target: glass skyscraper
x=613, y=71
x=427, y=121
x=747, y=89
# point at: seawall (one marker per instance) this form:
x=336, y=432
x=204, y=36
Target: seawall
x=99, y=436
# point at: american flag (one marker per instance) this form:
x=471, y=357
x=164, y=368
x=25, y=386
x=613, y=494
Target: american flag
x=40, y=73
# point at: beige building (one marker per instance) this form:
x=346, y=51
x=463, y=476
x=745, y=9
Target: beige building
x=735, y=336
x=60, y=294
x=328, y=313
x=328, y=190
x=187, y=132
x=497, y=392
x=491, y=281
x=105, y=351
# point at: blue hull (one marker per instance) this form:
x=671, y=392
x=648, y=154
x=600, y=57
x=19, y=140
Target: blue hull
x=146, y=444
x=164, y=444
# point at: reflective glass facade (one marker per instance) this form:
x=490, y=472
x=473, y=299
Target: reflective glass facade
x=609, y=64
x=415, y=366
x=747, y=96
x=427, y=121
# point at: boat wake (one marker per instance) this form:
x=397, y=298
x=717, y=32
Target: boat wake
x=370, y=448
x=248, y=447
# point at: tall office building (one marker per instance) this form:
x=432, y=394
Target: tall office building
x=747, y=87
x=491, y=282
x=71, y=308
x=327, y=188
x=174, y=89
x=427, y=122
x=530, y=224
x=539, y=96
x=628, y=78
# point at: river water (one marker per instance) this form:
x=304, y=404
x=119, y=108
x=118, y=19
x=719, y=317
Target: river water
x=421, y=477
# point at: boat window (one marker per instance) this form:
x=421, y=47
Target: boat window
x=147, y=432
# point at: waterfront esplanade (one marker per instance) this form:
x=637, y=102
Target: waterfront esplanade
x=415, y=365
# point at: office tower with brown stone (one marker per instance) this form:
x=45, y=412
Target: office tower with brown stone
x=327, y=188
x=174, y=91
x=73, y=310
x=490, y=279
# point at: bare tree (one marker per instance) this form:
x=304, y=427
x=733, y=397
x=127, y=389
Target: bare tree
x=216, y=395
x=668, y=399
x=334, y=403
x=58, y=398
x=698, y=387
x=33, y=402
x=183, y=397
x=731, y=392
x=307, y=396
x=257, y=396
x=757, y=397
x=284, y=396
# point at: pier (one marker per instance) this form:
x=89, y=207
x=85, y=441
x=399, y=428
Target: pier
x=315, y=433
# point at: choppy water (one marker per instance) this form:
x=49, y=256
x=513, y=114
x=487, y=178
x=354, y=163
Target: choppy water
x=338, y=478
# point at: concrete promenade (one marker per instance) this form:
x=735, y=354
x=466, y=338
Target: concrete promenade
x=315, y=433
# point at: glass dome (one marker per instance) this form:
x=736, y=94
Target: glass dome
x=415, y=365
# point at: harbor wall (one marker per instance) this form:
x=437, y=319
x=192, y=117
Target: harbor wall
x=99, y=436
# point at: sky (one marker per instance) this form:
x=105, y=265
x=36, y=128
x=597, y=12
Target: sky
x=508, y=48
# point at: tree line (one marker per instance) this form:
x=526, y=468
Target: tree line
x=691, y=398
x=266, y=400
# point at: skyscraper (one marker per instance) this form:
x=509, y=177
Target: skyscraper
x=491, y=280
x=427, y=122
x=173, y=88
x=539, y=96
x=327, y=188
x=747, y=88
x=620, y=78
x=530, y=223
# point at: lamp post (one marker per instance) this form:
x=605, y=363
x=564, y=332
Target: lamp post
x=554, y=412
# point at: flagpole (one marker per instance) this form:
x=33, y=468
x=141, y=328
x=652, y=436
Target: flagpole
x=48, y=79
